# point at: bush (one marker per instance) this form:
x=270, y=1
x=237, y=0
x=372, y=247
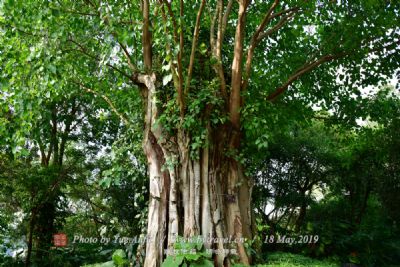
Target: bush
x=282, y=259
x=373, y=242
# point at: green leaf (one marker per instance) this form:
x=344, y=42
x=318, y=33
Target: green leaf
x=173, y=261
x=192, y=256
x=118, y=257
x=202, y=263
x=167, y=79
x=52, y=68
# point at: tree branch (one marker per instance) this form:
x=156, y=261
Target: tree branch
x=235, y=99
x=225, y=18
x=42, y=152
x=108, y=100
x=178, y=40
x=147, y=53
x=114, y=34
x=171, y=14
x=181, y=40
x=127, y=56
x=216, y=47
x=84, y=51
x=92, y=4
x=212, y=27
x=75, y=12
x=264, y=22
x=254, y=41
x=307, y=67
x=259, y=35
x=178, y=82
x=302, y=70
x=54, y=135
x=180, y=54
x=194, y=43
x=279, y=25
x=66, y=132
x=282, y=12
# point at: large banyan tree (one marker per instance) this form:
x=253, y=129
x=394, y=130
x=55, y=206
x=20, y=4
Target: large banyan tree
x=207, y=75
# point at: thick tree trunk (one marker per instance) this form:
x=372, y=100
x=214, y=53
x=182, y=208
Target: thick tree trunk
x=302, y=215
x=200, y=193
x=45, y=228
x=159, y=182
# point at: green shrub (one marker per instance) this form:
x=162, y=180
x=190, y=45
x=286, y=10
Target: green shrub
x=282, y=259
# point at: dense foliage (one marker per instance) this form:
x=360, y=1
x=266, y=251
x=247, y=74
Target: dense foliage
x=293, y=103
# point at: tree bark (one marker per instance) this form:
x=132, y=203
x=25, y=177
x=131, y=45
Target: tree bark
x=196, y=192
x=200, y=193
x=30, y=238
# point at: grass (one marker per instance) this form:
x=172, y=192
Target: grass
x=282, y=259
x=276, y=259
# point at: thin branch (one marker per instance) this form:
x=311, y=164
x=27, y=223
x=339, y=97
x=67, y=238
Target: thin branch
x=178, y=39
x=265, y=21
x=307, y=67
x=171, y=14
x=67, y=131
x=75, y=12
x=180, y=56
x=216, y=47
x=225, y=18
x=282, y=12
x=14, y=27
x=259, y=35
x=78, y=121
x=127, y=56
x=84, y=51
x=129, y=22
x=181, y=40
x=212, y=27
x=178, y=82
x=222, y=23
x=279, y=25
x=218, y=52
x=92, y=4
x=302, y=70
x=108, y=100
x=124, y=49
x=254, y=41
x=42, y=152
x=194, y=44
x=114, y=34
x=219, y=33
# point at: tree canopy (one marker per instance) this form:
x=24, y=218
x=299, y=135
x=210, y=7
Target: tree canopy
x=211, y=111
